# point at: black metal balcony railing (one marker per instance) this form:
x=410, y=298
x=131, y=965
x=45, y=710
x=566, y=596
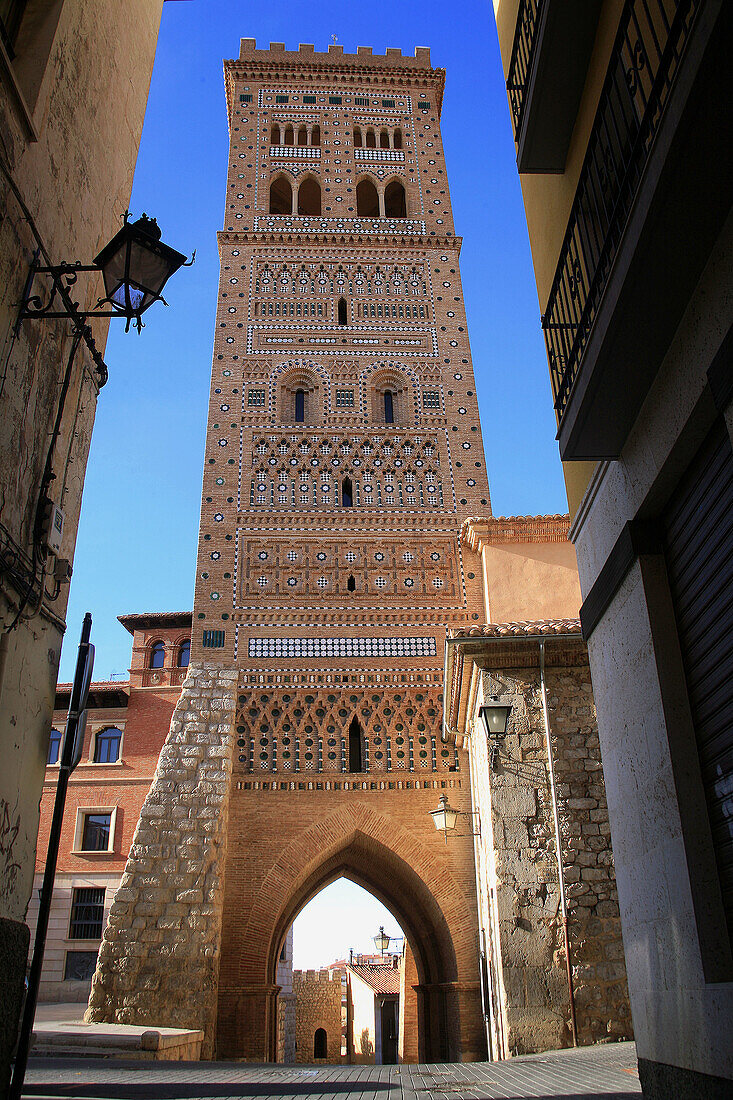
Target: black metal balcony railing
x=520, y=63
x=646, y=54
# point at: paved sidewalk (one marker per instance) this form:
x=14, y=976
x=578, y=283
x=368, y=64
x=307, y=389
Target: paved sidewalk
x=607, y=1071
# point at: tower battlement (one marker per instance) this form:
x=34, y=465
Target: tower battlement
x=335, y=53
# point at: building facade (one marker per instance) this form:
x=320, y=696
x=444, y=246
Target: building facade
x=618, y=110
x=128, y=722
x=68, y=154
x=343, y=453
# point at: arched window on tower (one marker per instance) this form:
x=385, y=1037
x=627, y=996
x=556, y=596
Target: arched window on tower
x=367, y=199
x=275, y=135
x=351, y=583
x=355, y=746
x=384, y=140
x=289, y=136
x=300, y=406
x=302, y=136
x=156, y=658
x=316, y=135
x=357, y=137
x=395, y=205
x=347, y=493
x=398, y=139
x=371, y=139
x=184, y=654
x=309, y=197
x=388, y=407
x=320, y=1043
x=342, y=313
x=281, y=196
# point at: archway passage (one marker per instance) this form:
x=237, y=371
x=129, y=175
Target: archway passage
x=394, y=856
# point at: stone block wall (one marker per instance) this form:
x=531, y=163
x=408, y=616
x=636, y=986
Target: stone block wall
x=159, y=959
x=318, y=1004
x=519, y=869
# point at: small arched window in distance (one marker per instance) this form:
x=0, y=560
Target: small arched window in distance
x=320, y=1043
x=281, y=196
x=316, y=135
x=367, y=199
x=351, y=583
x=302, y=136
x=275, y=135
x=309, y=197
x=384, y=140
x=347, y=493
x=184, y=654
x=342, y=312
x=371, y=139
x=388, y=407
x=398, y=139
x=156, y=658
x=357, y=137
x=395, y=205
x=355, y=741
x=289, y=136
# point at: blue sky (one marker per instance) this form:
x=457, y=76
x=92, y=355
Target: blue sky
x=137, y=538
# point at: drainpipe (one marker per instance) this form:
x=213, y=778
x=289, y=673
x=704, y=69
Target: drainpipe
x=558, y=847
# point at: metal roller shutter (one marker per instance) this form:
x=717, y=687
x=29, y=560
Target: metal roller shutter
x=699, y=551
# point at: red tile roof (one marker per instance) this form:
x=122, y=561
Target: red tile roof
x=382, y=979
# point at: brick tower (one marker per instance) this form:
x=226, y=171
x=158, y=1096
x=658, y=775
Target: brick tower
x=343, y=454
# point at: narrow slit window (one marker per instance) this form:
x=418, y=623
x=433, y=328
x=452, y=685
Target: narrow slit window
x=355, y=746
x=388, y=407
x=300, y=406
x=351, y=583
x=347, y=493
x=342, y=313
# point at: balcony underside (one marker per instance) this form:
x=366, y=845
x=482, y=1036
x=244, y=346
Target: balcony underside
x=565, y=38
x=679, y=210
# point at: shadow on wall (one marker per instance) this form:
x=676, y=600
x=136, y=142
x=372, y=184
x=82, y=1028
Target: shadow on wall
x=367, y=1047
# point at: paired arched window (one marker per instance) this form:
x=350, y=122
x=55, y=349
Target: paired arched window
x=302, y=136
x=289, y=139
x=54, y=746
x=107, y=746
x=355, y=746
x=156, y=658
x=384, y=140
x=299, y=410
x=371, y=139
x=281, y=196
x=309, y=197
x=316, y=135
x=320, y=1043
x=274, y=135
x=367, y=199
x=357, y=137
x=184, y=654
x=398, y=139
x=395, y=204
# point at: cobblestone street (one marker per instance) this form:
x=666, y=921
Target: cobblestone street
x=607, y=1071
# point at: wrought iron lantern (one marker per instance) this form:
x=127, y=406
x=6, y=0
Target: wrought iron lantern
x=381, y=940
x=496, y=719
x=135, y=266
x=445, y=817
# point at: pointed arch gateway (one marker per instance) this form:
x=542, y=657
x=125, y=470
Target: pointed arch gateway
x=412, y=878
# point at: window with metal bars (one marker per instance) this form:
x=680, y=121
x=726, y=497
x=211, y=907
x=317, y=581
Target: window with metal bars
x=87, y=913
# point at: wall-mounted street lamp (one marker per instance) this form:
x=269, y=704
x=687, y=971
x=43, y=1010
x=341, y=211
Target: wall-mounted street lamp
x=496, y=718
x=445, y=818
x=135, y=266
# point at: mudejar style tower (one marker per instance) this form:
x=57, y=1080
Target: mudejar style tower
x=343, y=454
